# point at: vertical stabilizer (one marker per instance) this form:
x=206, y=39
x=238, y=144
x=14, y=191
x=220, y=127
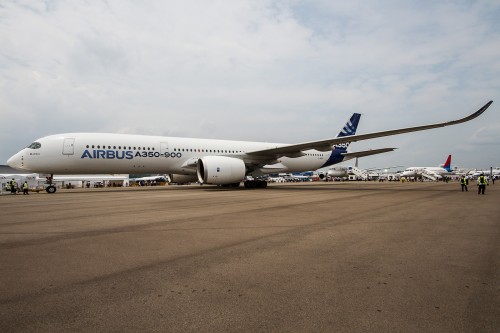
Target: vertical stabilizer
x=447, y=164
x=337, y=150
x=351, y=126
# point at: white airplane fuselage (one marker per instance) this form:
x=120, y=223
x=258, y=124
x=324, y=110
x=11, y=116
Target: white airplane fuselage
x=417, y=171
x=339, y=171
x=75, y=153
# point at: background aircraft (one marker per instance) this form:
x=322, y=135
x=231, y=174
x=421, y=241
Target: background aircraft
x=432, y=173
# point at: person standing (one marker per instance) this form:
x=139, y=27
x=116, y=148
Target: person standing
x=25, y=187
x=13, y=186
x=481, y=184
x=464, y=182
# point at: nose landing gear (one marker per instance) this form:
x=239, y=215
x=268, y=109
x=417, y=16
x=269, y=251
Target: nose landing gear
x=50, y=188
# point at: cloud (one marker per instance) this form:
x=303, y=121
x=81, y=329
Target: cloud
x=284, y=71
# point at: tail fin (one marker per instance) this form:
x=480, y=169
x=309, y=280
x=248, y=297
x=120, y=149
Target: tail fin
x=447, y=164
x=351, y=126
x=338, y=150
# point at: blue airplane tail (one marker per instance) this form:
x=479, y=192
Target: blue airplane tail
x=349, y=129
x=351, y=126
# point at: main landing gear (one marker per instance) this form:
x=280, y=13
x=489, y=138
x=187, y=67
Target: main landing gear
x=50, y=188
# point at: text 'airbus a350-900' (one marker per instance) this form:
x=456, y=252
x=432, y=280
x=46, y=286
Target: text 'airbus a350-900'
x=207, y=161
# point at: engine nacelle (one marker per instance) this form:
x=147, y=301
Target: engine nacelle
x=182, y=179
x=220, y=170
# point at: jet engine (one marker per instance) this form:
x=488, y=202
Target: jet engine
x=182, y=179
x=220, y=170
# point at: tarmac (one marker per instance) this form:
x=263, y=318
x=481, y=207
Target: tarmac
x=301, y=257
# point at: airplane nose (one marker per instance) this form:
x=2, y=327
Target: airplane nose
x=15, y=161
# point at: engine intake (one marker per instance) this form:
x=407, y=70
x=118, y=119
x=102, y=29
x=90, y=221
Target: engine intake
x=220, y=170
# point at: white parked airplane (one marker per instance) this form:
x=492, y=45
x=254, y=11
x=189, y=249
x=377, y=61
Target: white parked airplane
x=338, y=172
x=345, y=171
x=495, y=172
x=219, y=162
x=433, y=171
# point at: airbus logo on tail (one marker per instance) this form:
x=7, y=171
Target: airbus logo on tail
x=351, y=126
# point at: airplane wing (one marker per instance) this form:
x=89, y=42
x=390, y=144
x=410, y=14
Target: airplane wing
x=369, y=152
x=295, y=150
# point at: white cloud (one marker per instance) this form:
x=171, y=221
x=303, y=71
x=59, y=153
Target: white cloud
x=284, y=71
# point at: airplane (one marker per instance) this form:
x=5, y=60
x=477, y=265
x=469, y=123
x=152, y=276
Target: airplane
x=337, y=172
x=494, y=172
x=208, y=161
x=438, y=172
x=346, y=171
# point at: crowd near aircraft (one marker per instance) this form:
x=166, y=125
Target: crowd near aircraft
x=218, y=162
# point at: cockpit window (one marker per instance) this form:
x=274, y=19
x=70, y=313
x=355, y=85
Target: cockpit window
x=35, y=145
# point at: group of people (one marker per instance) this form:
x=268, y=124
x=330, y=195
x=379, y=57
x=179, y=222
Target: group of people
x=482, y=182
x=12, y=187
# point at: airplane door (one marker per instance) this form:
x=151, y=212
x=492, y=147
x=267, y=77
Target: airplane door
x=69, y=146
x=163, y=148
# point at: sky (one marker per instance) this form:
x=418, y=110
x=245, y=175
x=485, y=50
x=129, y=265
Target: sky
x=281, y=71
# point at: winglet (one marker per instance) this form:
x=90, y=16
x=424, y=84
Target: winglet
x=477, y=113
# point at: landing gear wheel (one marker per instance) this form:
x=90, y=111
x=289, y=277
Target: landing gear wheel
x=51, y=189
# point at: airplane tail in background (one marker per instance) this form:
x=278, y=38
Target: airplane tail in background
x=447, y=164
